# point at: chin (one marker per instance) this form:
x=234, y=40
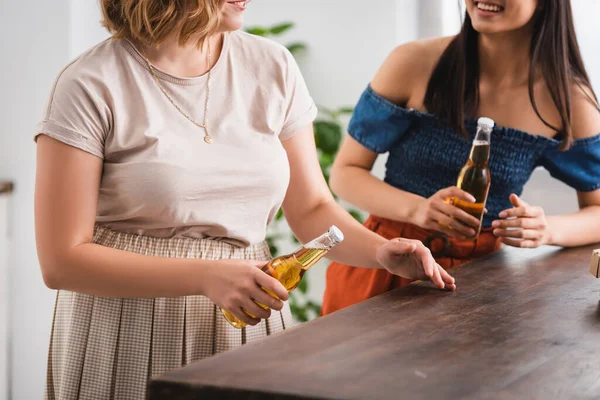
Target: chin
x=231, y=25
x=487, y=28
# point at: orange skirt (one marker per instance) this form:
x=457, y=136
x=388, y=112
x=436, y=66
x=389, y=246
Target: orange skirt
x=347, y=285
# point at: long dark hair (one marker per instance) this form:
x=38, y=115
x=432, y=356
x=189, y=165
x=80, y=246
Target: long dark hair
x=554, y=50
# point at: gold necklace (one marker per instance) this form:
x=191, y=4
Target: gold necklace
x=207, y=138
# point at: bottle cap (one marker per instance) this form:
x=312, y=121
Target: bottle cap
x=336, y=234
x=486, y=122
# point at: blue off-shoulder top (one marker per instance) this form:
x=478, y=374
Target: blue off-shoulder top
x=426, y=154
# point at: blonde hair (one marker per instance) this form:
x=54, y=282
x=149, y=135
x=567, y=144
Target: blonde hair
x=153, y=21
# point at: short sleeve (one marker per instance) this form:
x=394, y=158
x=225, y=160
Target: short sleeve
x=378, y=123
x=301, y=110
x=76, y=114
x=578, y=167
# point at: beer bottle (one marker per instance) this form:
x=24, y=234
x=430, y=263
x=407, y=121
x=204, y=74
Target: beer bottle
x=290, y=268
x=474, y=177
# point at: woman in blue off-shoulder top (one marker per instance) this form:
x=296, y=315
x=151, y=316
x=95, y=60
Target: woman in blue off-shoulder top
x=514, y=61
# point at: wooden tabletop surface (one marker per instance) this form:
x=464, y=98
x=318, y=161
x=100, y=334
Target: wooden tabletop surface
x=523, y=324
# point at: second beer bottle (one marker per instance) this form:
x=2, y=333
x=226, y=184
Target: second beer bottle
x=474, y=177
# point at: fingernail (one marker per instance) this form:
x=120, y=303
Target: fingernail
x=495, y=224
x=502, y=214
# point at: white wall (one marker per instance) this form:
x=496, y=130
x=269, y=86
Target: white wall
x=4, y=297
x=585, y=13
x=85, y=29
x=346, y=41
x=33, y=40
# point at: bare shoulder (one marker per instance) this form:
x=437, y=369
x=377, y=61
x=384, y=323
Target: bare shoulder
x=585, y=113
x=407, y=69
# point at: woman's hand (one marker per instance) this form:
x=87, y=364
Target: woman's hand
x=522, y=226
x=437, y=213
x=235, y=285
x=411, y=259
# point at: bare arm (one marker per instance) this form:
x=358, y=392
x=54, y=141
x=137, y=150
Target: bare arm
x=351, y=177
x=310, y=209
x=577, y=229
x=66, y=196
x=581, y=227
x=401, y=80
x=311, y=212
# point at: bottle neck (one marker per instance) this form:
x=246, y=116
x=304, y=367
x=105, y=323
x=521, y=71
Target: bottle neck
x=309, y=257
x=480, y=150
x=483, y=135
x=310, y=254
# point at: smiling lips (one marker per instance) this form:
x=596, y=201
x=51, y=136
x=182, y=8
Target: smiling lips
x=488, y=7
x=238, y=4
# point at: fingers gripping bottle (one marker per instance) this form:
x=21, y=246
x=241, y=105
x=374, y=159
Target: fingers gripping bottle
x=290, y=268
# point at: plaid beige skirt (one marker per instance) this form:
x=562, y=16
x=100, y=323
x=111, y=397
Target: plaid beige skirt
x=108, y=348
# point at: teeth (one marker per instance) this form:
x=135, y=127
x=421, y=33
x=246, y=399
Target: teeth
x=489, y=7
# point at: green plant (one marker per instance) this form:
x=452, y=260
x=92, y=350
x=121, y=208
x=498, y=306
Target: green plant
x=328, y=128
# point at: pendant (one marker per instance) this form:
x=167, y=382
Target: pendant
x=208, y=139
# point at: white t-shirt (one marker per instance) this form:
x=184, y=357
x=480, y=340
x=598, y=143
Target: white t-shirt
x=160, y=178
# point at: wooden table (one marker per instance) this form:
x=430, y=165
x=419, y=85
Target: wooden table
x=523, y=324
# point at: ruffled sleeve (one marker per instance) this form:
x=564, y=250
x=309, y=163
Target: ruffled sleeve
x=578, y=167
x=378, y=123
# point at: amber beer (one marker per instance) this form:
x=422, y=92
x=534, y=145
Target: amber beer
x=474, y=177
x=290, y=268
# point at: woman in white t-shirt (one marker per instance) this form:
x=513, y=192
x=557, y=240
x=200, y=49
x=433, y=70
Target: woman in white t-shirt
x=163, y=154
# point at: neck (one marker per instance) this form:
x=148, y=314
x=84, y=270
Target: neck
x=504, y=58
x=186, y=61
